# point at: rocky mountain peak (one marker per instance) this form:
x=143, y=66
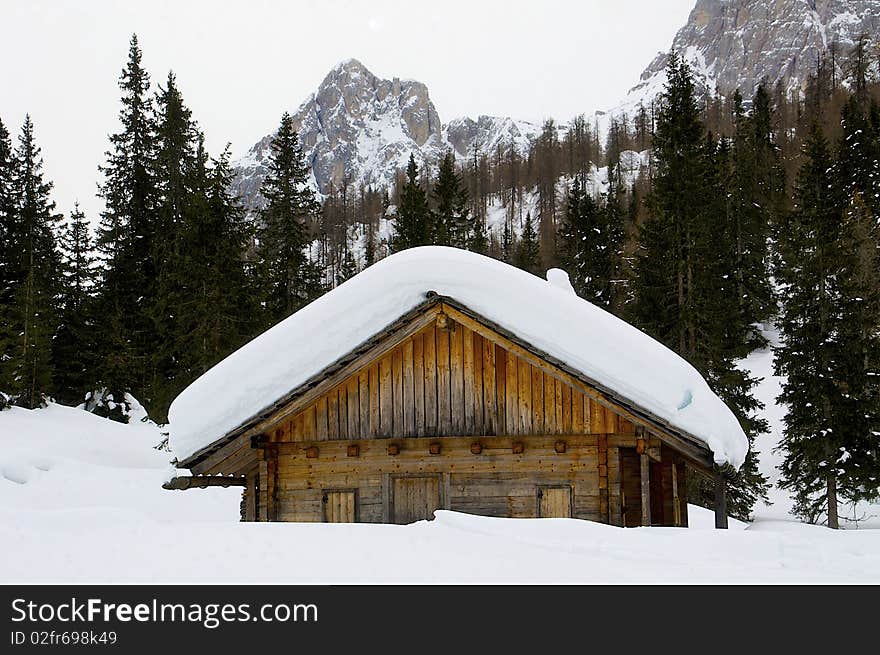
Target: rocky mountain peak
x=358, y=128
x=736, y=44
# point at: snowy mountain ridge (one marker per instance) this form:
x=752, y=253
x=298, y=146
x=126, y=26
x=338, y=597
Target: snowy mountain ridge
x=357, y=128
x=735, y=44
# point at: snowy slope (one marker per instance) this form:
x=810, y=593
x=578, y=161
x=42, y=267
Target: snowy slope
x=597, y=344
x=81, y=502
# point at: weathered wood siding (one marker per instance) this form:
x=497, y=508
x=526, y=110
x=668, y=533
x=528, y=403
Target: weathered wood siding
x=494, y=482
x=440, y=383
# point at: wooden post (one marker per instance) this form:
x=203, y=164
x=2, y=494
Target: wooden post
x=720, y=501
x=646, y=489
x=676, y=508
x=602, y=451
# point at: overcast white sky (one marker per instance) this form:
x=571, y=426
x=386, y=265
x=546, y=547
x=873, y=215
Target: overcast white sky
x=241, y=64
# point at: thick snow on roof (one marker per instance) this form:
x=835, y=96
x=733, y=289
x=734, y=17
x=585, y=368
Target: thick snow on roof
x=545, y=314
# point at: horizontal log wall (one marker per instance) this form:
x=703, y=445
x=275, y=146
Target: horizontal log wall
x=495, y=482
x=447, y=383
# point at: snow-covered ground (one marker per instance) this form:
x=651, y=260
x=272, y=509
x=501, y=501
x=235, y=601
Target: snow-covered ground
x=81, y=501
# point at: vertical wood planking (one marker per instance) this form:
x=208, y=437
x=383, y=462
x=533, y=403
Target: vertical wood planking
x=577, y=412
x=364, y=397
x=493, y=388
x=501, y=389
x=456, y=380
x=310, y=424
x=597, y=418
x=537, y=400
x=409, y=424
x=386, y=411
x=511, y=403
x=559, y=424
x=321, y=418
x=449, y=383
x=444, y=390
x=478, y=383
x=467, y=355
x=430, y=343
x=354, y=408
x=397, y=390
x=343, y=411
x=524, y=393
x=375, y=428
x=610, y=421
x=295, y=430
x=549, y=404
x=419, y=383
x=566, y=409
x=333, y=414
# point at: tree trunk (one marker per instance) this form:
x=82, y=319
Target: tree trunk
x=833, y=521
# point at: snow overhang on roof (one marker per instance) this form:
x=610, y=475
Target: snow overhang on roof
x=545, y=314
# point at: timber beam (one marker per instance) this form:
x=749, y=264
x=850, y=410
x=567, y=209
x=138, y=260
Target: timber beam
x=182, y=483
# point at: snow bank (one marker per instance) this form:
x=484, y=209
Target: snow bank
x=523, y=551
x=62, y=465
x=545, y=315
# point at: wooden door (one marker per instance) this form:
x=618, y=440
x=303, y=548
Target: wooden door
x=658, y=498
x=630, y=487
x=554, y=502
x=414, y=498
x=340, y=507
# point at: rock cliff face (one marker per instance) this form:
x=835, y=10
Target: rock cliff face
x=360, y=129
x=735, y=44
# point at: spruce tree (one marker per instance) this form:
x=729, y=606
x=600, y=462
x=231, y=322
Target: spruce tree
x=452, y=225
x=412, y=220
x=856, y=364
x=347, y=267
x=215, y=309
x=670, y=262
x=809, y=261
x=29, y=319
x=7, y=215
x=754, y=200
x=528, y=250
x=7, y=207
x=180, y=183
x=508, y=245
x=289, y=279
x=369, y=244
x=858, y=155
x=126, y=242
x=73, y=346
x=591, y=241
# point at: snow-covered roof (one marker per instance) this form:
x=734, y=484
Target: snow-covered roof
x=546, y=314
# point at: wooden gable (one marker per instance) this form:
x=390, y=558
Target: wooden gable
x=444, y=382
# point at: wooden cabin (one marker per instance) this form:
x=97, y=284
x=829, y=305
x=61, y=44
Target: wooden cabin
x=445, y=409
